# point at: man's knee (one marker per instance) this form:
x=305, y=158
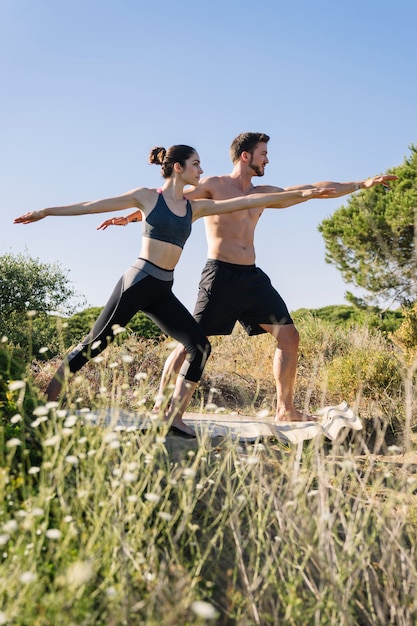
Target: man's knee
x=288, y=338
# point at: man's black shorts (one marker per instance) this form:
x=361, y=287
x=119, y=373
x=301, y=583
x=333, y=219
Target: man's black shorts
x=229, y=293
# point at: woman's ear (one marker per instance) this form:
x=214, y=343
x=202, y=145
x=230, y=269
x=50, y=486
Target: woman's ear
x=177, y=168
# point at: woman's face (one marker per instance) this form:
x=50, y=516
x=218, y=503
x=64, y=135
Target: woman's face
x=192, y=170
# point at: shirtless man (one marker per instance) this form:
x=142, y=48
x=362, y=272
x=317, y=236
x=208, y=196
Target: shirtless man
x=232, y=288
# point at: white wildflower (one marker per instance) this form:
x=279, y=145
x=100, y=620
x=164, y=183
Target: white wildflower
x=189, y=472
x=205, y=610
x=96, y=344
x=127, y=358
x=13, y=442
x=70, y=421
x=52, y=441
x=394, y=449
x=79, y=573
x=27, y=577
x=348, y=465
x=143, y=376
x=130, y=477
x=111, y=592
x=252, y=460
x=43, y=350
x=152, y=497
x=16, y=384
x=167, y=517
x=110, y=436
x=16, y=419
x=98, y=359
x=10, y=527
x=53, y=533
x=118, y=329
x=113, y=365
x=71, y=459
x=4, y=538
x=40, y=410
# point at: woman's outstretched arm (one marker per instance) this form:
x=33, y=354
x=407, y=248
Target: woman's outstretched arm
x=278, y=200
x=133, y=198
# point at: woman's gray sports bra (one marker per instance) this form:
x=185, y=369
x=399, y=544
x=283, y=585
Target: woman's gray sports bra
x=164, y=225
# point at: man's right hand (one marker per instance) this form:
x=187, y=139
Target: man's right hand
x=114, y=221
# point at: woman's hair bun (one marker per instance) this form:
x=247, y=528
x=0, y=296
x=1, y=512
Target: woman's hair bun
x=157, y=155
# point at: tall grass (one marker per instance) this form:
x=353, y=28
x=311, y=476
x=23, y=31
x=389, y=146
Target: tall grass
x=111, y=526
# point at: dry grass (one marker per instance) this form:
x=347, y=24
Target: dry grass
x=127, y=528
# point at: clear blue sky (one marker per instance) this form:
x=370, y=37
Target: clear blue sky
x=88, y=87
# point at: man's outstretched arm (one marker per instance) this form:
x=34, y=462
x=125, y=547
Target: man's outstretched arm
x=341, y=189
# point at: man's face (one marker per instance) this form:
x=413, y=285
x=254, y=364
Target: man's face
x=259, y=159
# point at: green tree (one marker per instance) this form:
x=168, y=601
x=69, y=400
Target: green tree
x=371, y=240
x=30, y=292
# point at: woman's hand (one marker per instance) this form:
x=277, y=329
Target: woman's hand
x=32, y=216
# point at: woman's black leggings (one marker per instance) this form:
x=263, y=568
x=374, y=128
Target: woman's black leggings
x=148, y=288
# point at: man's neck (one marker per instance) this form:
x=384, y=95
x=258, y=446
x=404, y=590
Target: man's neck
x=242, y=179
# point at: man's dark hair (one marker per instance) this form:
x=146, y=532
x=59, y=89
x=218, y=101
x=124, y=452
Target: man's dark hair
x=246, y=142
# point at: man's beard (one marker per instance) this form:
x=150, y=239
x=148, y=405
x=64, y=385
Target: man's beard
x=259, y=171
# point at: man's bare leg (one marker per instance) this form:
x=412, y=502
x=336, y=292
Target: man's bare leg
x=171, y=370
x=183, y=391
x=285, y=370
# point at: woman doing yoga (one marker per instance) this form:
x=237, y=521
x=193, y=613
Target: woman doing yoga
x=147, y=285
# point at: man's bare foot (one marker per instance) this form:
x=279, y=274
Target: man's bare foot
x=294, y=416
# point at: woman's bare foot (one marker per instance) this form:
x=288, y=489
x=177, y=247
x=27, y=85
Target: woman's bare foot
x=178, y=427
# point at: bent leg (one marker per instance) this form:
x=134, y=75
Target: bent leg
x=181, y=325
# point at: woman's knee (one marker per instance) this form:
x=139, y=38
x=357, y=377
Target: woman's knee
x=197, y=356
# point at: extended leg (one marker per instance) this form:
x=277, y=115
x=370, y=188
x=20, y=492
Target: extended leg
x=285, y=370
